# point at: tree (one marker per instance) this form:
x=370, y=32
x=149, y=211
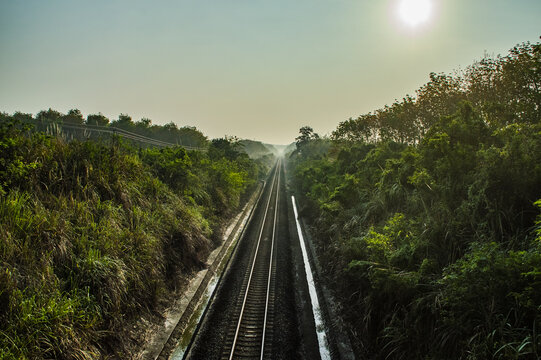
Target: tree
x=97, y=119
x=124, y=122
x=439, y=97
x=22, y=117
x=49, y=116
x=144, y=123
x=306, y=134
x=230, y=148
x=74, y=116
x=191, y=136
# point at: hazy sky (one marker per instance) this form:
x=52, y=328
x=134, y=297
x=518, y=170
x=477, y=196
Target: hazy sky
x=251, y=68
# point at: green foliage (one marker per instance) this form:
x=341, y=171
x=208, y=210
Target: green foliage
x=92, y=234
x=306, y=135
x=97, y=120
x=50, y=325
x=170, y=165
x=538, y=223
x=492, y=296
x=427, y=215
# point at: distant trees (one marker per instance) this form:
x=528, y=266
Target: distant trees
x=230, y=148
x=256, y=149
x=48, y=116
x=506, y=90
x=73, y=116
x=124, y=122
x=306, y=134
x=170, y=132
x=97, y=119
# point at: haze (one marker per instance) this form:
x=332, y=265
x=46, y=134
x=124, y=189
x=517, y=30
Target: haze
x=254, y=69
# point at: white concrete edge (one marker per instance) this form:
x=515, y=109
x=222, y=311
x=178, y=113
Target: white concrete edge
x=316, y=310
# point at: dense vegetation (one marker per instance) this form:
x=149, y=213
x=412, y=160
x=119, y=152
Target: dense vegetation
x=92, y=234
x=427, y=215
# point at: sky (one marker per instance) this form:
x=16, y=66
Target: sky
x=255, y=69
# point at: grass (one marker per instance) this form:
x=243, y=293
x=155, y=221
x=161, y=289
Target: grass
x=91, y=236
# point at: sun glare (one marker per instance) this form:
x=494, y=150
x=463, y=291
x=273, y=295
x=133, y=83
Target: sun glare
x=414, y=12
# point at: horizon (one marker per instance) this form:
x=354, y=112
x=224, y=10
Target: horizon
x=257, y=71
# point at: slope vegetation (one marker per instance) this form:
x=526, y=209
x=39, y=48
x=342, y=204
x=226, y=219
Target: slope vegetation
x=93, y=234
x=427, y=215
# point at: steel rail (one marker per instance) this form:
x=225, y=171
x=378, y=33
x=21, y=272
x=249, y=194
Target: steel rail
x=276, y=181
x=270, y=261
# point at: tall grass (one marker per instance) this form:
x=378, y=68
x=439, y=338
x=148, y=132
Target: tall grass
x=92, y=235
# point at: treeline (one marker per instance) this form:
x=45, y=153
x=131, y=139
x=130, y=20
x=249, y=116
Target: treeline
x=170, y=133
x=92, y=235
x=503, y=90
x=256, y=149
x=427, y=215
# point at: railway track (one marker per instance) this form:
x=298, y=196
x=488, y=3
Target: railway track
x=253, y=313
x=249, y=334
x=262, y=306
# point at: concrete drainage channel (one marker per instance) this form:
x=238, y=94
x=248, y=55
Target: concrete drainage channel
x=340, y=344
x=184, y=317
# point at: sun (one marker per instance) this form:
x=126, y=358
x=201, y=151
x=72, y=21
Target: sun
x=414, y=12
